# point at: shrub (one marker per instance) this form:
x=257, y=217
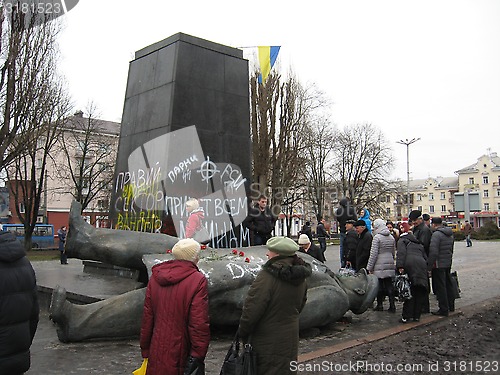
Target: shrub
x=489, y=231
x=459, y=236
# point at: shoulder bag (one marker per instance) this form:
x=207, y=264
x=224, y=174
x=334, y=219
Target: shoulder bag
x=239, y=362
x=201, y=235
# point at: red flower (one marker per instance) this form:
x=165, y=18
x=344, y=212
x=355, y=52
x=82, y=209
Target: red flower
x=169, y=251
x=247, y=260
x=235, y=251
x=242, y=254
x=203, y=247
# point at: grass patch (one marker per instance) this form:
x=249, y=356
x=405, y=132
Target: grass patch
x=41, y=255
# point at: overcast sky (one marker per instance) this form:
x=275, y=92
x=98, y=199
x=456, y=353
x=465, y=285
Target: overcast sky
x=415, y=69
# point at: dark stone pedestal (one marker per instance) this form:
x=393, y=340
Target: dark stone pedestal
x=174, y=84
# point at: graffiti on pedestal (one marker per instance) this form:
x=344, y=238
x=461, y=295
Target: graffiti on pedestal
x=167, y=172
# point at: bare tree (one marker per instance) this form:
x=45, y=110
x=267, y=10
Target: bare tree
x=320, y=144
x=33, y=102
x=88, y=146
x=264, y=99
x=281, y=123
x=362, y=163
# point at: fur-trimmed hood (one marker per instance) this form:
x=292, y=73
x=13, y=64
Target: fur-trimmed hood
x=291, y=269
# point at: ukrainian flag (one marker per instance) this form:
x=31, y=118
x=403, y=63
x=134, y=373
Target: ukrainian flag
x=267, y=58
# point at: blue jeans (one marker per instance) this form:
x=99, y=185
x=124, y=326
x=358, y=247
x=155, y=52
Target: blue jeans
x=322, y=245
x=469, y=242
x=260, y=239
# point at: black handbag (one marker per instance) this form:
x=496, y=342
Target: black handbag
x=239, y=363
x=455, y=284
x=194, y=366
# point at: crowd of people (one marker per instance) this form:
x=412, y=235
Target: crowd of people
x=421, y=248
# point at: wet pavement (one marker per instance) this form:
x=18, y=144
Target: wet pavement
x=478, y=268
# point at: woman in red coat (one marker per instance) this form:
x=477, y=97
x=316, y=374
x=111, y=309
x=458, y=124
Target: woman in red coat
x=175, y=330
x=195, y=218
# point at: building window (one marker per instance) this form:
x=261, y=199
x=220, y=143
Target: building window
x=102, y=204
x=498, y=206
x=485, y=180
x=431, y=209
x=419, y=197
x=443, y=208
x=420, y=208
x=471, y=180
x=22, y=208
x=443, y=195
x=498, y=192
x=431, y=196
x=486, y=207
x=486, y=194
x=388, y=212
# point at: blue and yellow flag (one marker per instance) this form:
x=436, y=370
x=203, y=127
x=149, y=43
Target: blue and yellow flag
x=267, y=58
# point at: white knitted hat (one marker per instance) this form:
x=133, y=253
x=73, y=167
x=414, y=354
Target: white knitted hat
x=303, y=239
x=186, y=249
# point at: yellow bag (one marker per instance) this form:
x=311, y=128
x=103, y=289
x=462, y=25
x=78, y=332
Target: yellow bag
x=141, y=370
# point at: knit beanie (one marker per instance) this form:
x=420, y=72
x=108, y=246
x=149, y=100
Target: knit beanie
x=303, y=239
x=186, y=249
x=282, y=246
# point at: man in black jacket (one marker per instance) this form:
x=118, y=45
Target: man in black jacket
x=321, y=233
x=423, y=234
x=343, y=213
x=364, y=244
x=350, y=244
x=19, y=309
x=260, y=221
x=307, y=247
x=439, y=262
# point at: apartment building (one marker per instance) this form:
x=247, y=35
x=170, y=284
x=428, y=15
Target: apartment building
x=92, y=143
x=444, y=196
x=432, y=195
x=481, y=183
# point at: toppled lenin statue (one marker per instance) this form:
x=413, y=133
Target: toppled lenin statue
x=230, y=273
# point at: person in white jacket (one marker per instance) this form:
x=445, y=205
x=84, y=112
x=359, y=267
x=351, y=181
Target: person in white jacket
x=381, y=263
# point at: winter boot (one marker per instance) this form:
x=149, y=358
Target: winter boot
x=392, y=304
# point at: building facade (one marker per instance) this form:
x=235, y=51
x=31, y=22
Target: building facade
x=433, y=195
x=481, y=180
x=84, y=156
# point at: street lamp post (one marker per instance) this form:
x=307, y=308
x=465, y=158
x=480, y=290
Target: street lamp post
x=408, y=143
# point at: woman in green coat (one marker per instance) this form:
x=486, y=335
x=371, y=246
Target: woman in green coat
x=270, y=318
